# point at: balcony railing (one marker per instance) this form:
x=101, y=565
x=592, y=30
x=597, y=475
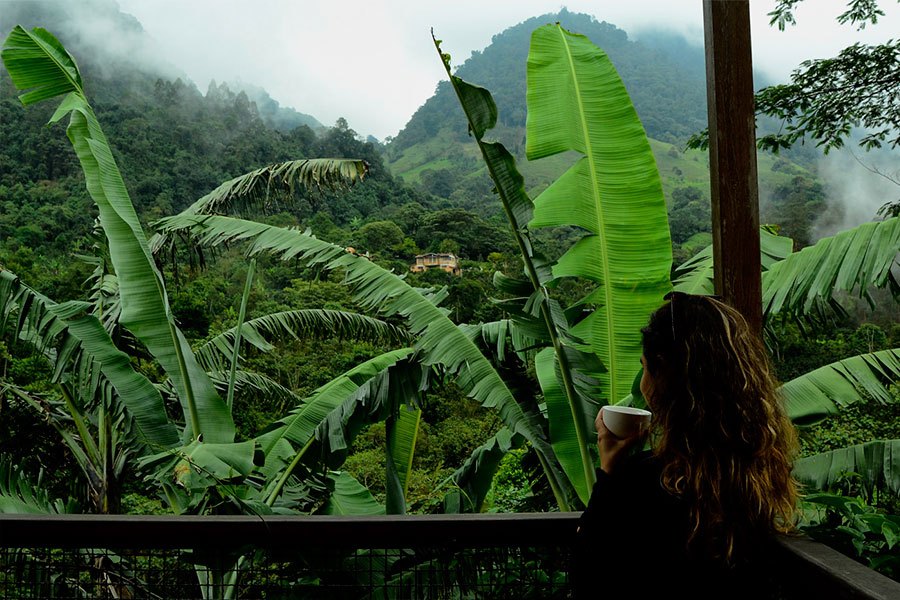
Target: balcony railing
x=463, y=556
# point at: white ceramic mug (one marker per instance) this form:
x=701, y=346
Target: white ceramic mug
x=625, y=421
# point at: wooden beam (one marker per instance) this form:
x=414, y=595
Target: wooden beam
x=732, y=156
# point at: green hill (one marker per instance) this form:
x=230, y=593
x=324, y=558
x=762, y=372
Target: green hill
x=667, y=86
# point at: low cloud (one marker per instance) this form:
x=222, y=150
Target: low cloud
x=857, y=184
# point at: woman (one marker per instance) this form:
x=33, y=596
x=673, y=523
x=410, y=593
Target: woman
x=693, y=516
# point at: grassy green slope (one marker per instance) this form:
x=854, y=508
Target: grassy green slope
x=667, y=91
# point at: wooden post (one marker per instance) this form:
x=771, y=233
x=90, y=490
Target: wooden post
x=732, y=156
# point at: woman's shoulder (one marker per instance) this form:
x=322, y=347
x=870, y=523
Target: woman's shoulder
x=644, y=467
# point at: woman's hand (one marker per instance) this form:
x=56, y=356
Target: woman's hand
x=613, y=448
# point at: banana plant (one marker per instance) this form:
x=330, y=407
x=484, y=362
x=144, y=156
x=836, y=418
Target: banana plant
x=877, y=463
x=806, y=285
x=800, y=285
x=37, y=62
x=438, y=343
x=612, y=192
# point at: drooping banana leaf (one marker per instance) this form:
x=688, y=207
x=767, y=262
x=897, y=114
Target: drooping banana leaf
x=263, y=188
x=254, y=386
x=375, y=391
x=402, y=433
x=576, y=101
x=332, y=406
x=381, y=397
x=853, y=260
x=877, y=463
x=19, y=495
x=299, y=427
x=438, y=340
x=696, y=275
x=350, y=497
x=37, y=60
x=536, y=312
x=814, y=395
x=71, y=338
x=472, y=481
x=296, y=324
x=199, y=464
x=255, y=189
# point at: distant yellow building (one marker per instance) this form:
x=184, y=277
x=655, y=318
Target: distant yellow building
x=443, y=261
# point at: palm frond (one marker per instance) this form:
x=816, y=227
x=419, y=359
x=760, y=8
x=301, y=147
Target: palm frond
x=877, y=463
x=695, y=276
x=262, y=332
x=853, y=260
x=438, y=340
x=37, y=59
x=814, y=395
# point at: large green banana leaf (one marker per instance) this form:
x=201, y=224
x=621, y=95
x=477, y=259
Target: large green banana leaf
x=402, y=433
x=37, y=60
x=184, y=473
x=814, y=395
x=695, y=276
x=438, y=340
x=877, y=463
x=350, y=497
x=856, y=259
x=536, y=308
x=576, y=101
x=69, y=337
x=333, y=415
x=298, y=428
x=472, y=481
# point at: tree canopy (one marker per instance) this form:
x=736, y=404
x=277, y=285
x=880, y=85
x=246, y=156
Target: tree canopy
x=826, y=99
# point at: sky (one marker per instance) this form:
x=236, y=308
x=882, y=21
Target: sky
x=373, y=62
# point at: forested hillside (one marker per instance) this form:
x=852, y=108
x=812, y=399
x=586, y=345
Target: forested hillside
x=666, y=81
x=425, y=190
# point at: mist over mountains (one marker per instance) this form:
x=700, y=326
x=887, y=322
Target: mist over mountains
x=112, y=45
x=664, y=73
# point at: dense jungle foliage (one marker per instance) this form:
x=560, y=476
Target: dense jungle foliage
x=427, y=190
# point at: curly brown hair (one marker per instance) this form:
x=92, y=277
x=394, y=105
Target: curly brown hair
x=721, y=432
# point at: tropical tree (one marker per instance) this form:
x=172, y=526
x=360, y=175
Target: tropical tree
x=627, y=254
x=103, y=396
x=803, y=285
x=583, y=355
x=569, y=369
x=827, y=98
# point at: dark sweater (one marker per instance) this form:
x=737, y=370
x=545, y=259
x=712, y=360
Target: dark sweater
x=633, y=544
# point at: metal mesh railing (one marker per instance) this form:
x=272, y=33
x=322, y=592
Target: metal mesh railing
x=285, y=558
x=515, y=556
x=34, y=573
